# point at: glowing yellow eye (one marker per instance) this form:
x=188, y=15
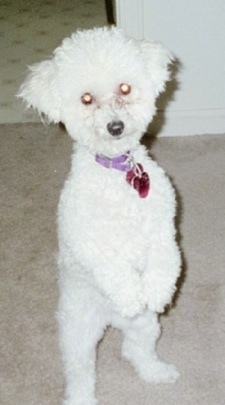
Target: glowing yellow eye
x=125, y=89
x=87, y=98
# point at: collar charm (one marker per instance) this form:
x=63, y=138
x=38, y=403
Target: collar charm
x=135, y=174
x=139, y=180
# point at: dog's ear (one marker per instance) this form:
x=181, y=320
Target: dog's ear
x=157, y=60
x=40, y=90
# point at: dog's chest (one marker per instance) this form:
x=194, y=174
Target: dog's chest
x=100, y=211
x=102, y=198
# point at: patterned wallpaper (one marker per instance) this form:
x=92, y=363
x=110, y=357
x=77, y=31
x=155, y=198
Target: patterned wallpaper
x=29, y=31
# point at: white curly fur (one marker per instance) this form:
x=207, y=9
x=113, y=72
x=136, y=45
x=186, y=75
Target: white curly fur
x=118, y=259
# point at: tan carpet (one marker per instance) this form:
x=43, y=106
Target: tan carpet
x=34, y=161
x=29, y=32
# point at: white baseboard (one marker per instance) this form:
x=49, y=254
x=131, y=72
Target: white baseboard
x=183, y=123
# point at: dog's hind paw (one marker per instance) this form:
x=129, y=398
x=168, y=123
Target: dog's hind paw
x=77, y=402
x=158, y=372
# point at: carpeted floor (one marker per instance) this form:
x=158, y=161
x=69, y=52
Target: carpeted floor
x=34, y=161
x=29, y=32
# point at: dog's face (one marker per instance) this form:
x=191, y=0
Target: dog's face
x=102, y=86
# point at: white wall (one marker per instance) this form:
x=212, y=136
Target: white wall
x=195, y=32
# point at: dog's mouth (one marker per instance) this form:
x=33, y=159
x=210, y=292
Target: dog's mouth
x=116, y=128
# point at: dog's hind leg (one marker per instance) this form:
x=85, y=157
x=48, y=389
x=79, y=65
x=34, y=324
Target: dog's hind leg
x=81, y=326
x=139, y=347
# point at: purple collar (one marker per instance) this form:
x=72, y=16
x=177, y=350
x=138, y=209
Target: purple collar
x=135, y=174
x=121, y=162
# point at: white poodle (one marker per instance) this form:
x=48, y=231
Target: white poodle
x=118, y=258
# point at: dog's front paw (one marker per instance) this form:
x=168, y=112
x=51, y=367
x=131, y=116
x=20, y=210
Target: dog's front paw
x=158, y=296
x=158, y=301
x=129, y=304
x=131, y=310
x=157, y=306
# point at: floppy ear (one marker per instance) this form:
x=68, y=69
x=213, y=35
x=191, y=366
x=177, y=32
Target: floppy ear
x=157, y=58
x=40, y=89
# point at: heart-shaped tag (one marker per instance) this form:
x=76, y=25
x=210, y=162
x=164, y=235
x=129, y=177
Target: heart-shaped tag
x=139, y=180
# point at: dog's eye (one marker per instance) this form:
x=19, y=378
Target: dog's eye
x=87, y=98
x=125, y=89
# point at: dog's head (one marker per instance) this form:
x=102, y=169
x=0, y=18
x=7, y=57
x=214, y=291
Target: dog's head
x=102, y=86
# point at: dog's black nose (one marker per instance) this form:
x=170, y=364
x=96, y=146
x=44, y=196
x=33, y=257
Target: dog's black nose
x=115, y=128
